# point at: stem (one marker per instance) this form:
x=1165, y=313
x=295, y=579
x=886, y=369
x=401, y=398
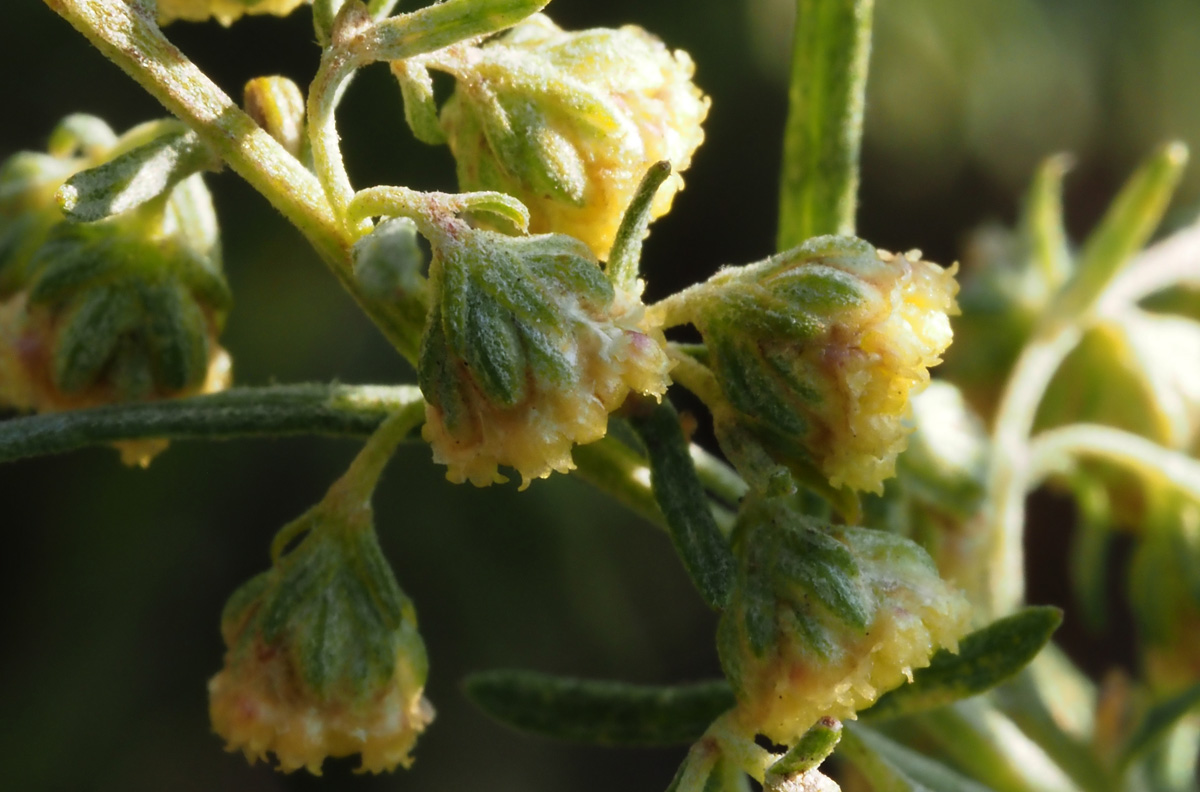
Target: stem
x=1053, y=450
x=1008, y=469
x=336, y=410
x=393, y=38
x=368, y=466
x=133, y=41
x=741, y=749
x=830, y=50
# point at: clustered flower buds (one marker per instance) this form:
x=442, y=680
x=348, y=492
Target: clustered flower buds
x=324, y=658
x=818, y=349
x=124, y=308
x=567, y=122
x=224, y=11
x=527, y=350
x=823, y=620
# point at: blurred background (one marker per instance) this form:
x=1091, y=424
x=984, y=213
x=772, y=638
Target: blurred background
x=113, y=579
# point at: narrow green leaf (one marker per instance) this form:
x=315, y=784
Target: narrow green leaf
x=135, y=177
x=890, y=767
x=1125, y=229
x=985, y=658
x=1042, y=223
x=599, y=712
x=812, y=749
x=819, y=190
x=1158, y=722
x=622, y=265
x=694, y=532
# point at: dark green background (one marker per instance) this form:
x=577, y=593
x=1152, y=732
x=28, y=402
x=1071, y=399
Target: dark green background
x=113, y=579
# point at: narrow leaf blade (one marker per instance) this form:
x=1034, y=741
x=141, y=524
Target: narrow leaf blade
x=694, y=532
x=1158, y=721
x=598, y=712
x=985, y=658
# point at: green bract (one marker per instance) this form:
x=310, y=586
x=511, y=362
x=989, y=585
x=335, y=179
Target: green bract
x=816, y=351
x=566, y=122
x=324, y=657
x=825, y=619
x=127, y=307
x=528, y=346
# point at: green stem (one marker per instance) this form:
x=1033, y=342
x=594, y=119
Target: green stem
x=134, y=43
x=393, y=38
x=1008, y=479
x=830, y=52
x=1056, y=449
x=368, y=466
x=337, y=410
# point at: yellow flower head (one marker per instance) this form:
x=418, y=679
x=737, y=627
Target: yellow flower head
x=324, y=658
x=527, y=351
x=824, y=620
x=819, y=348
x=224, y=11
x=569, y=122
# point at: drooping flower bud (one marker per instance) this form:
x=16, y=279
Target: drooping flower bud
x=817, y=351
x=224, y=11
x=324, y=658
x=566, y=122
x=527, y=350
x=125, y=308
x=823, y=620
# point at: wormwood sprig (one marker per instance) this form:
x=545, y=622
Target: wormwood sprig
x=852, y=574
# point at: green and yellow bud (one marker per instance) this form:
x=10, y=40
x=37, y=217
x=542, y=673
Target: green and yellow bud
x=126, y=308
x=817, y=352
x=527, y=350
x=277, y=105
x=224, y=11
x=323, y=655
x=568, y=122
x=823, y=620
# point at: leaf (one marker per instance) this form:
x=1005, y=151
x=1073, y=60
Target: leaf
x=812, y=749
x=598, y=712
x=626, y=253
x=1125, y=228
x=985, y=658
x=1157, y=722
x=135, y=177
x=705, y=552
x=819, y=189
x=890, y=767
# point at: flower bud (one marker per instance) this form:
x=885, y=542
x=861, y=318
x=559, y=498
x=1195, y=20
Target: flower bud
x=28, y=182
x=569, y=122
x=527, y=351
x=817, y=351
x=277, y=105
x=125, y=308
x=823, y=620
x=224, y=11
x=324, y=658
